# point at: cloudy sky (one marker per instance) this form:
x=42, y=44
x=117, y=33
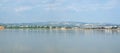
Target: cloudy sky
x=93, y=11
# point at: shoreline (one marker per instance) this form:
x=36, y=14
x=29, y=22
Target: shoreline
x=61, y=29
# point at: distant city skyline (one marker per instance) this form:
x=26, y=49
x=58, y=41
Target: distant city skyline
x=90, y=11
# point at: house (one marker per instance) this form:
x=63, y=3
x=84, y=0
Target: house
x=108, y=27
x=1, y=27
x=118, y=27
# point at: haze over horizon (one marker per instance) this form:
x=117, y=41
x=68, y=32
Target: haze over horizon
x=90, y=11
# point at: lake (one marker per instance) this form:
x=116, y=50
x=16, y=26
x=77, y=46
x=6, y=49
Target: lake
x=59, y=41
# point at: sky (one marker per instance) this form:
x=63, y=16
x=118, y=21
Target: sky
x=90, y=11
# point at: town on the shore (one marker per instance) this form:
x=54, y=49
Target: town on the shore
x=61, y=25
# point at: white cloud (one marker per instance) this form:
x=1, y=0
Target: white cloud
x=65, y=5
x=22, y=8
x=98, y=6
x=110, y=4
x=60, y=6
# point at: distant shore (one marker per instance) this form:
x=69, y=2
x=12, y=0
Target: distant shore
x=61, y=28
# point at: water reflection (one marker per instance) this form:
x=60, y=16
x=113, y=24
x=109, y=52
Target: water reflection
x=59, y=41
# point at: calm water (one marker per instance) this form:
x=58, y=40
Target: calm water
x=59, y=41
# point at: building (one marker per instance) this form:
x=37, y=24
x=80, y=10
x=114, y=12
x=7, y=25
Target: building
x=1, y=27
x=118, y=27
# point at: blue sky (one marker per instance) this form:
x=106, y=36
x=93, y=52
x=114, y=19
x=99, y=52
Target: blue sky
x=93, y=11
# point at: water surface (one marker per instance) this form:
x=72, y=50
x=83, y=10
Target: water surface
x=59, y=41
